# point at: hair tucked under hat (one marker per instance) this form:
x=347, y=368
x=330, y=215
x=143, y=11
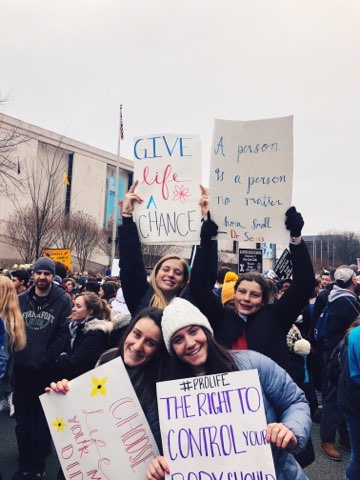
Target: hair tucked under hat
x=179, y=314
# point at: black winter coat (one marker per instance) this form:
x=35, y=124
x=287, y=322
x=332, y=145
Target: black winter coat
x=265, y=331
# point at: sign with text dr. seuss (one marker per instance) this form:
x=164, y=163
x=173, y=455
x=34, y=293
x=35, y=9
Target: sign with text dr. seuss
x=168, y=168
x=98, y=428
x=214, y=428
x=251, y=178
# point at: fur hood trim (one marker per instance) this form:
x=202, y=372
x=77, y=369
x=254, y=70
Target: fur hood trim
x=120, y=319
x=105, y=326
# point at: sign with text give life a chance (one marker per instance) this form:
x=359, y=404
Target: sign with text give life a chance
x=168, y=168
x=213, y=427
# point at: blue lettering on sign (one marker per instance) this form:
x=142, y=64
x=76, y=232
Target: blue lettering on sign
x=154, y=144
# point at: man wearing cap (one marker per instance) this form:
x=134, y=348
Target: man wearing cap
x=46, y=308
x=344, y=308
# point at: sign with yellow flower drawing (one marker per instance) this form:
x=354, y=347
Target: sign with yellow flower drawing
x=98, y=428
x=168, y=170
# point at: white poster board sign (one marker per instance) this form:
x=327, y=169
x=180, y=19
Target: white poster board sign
x=98, y=428
x=214, y=427
x=251, y=177
x=168, y=168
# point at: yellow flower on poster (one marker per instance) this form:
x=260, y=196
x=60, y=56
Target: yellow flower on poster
x=59, y=424
x=98, y=386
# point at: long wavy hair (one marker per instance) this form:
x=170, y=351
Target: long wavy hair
x=148, y=373
x=158, y=299
x=11, y=314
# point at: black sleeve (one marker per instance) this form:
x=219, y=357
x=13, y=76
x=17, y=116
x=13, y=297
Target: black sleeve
x=290, y=305
x=203, y=278
x=132, y=268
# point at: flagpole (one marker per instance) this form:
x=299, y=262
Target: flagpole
x=114, y=225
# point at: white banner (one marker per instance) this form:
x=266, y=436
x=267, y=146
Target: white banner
x=251, y=177
x=168, y=168
x=98, y=428
x=214, y=427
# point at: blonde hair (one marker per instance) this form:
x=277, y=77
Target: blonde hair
x=158, y=299
x=11, y=314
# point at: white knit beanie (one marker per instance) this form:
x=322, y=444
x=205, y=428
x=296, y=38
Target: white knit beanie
x=179, y=314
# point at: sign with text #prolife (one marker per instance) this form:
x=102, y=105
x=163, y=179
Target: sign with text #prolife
x=251, y=176
x=99, y=428
x=214, y=427
x=168, y=168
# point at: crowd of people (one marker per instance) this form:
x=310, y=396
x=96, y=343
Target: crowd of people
x=301, y=334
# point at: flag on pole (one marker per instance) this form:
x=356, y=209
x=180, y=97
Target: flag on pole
x=121, y=125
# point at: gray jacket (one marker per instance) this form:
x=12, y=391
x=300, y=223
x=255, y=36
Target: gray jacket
x=285, y=403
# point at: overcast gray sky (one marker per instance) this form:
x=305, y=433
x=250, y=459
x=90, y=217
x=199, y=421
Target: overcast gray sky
x=175, y=65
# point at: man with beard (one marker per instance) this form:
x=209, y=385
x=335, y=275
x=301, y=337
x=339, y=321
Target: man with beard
x=46, y=308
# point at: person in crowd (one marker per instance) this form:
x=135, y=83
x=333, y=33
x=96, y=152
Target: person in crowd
x=344, y=308
x=325, y=279
x=15, y=339
x=91, y=286
x=20, y=278
x=90, y=330
x=220, y=278
x=255, y=323
x=142, y=350
x=349, y=394
x=108, y=291
x=168, y=278
x=188, y=337
x=228, y=289
x=45, y=308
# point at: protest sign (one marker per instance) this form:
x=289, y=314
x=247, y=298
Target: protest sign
x=98, y=428
x=168, y=168
x=250, y=260
x=214, y=427
x=251, y=179
x=283, y=267
x=62, y=255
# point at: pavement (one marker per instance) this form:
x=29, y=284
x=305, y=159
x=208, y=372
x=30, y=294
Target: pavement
x=322, y=469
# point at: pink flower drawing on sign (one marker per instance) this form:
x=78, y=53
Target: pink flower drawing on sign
x=181, y=193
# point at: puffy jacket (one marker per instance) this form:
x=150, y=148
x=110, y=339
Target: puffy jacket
x=284, y=402
x=93, y=341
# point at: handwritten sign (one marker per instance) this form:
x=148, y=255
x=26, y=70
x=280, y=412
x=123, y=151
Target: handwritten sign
x=62, y=255
x=251, y=179
x=168, y=168
x=213, y=427
x=99, y=428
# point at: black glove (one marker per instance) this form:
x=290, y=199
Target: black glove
x=208, y=229
x=294, y=222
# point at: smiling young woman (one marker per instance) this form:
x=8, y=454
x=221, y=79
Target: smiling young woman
x=188, y=337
